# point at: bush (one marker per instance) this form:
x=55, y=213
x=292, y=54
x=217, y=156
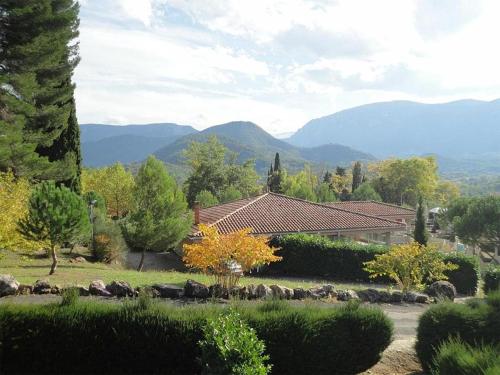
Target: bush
x=455, y=357
x=98, y=338
x=70, y=296
x=230, y=346
x=318, y=256
x=478, y=321
x=492, y=279
x=466, y=277
x=109, y=245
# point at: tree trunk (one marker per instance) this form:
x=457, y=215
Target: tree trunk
x=54, y=259
x=141, y=263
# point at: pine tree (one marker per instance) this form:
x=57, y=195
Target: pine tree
x=357, y=177
x=160, y=219
x=37, y=59
x=56, y=215
x=420, y=233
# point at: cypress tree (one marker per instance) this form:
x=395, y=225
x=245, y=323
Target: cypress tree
x=327, y=178
x=357, y=177
x=275, y=180
x=37, y=59
x=420, y=233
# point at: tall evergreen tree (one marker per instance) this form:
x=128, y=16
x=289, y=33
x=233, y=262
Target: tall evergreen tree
x=277, y=163
x=275, y=181
x=420, y=233
x=327, y=178
x=357, y=177
x=339, y=171
x=37, y=58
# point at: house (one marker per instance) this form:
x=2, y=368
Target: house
x=274, y=214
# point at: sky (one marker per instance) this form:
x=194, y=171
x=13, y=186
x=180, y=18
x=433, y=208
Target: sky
x=278, y=63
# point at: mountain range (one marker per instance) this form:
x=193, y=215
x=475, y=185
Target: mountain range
x=463, y=135
x=460, y=129
x=167, y=141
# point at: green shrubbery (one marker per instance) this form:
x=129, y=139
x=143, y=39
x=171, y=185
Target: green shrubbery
x=98, y=338
x=492, y=279
x=318, y=256
x=475, y=322
x=230, y=346
x=109, y=245
x=466, y=277
x=457, y=358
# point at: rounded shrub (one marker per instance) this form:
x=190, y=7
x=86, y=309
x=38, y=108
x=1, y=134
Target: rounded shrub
x=466, y=276
x=491, y=279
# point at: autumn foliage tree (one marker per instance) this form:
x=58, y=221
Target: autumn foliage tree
x=410, y=266
x=216, y=254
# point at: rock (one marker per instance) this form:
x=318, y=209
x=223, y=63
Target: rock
x=42, y=287
x=329, y=290
x=323, y=291
x=288, y=292
x=56, y=289
x=120, y=289
x=84, y=291
x=8, y=285
x=385, y=296
x=169, y=291
x=442, y=290
x=218, y=291
x=251, y=291
x=414, y=297
x=98, y=288
x=347, y=295
x=239, y=292
x=148, y=291
x=263, y=291
x=194, y=289
x=369, y=295
x=25, y=289
x=78, y=260
x=278, y=291
x=299, y=293
x=396, y=297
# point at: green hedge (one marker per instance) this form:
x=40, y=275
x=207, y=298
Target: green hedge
x=466, y=277
x=455, y=357
x=103, y=338
x=492, y=279
x=475, y=322
x=318, y=256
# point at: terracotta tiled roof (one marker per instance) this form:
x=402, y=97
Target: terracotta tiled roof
x=374, y=208
x=272, y=213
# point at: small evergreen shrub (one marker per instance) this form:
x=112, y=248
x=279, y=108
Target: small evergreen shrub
x=475, y=322
x=466, y=276
x=230, y=346
x=109, y=245
x=70, y=296
x=318, y=256
x=492, y=279
x=455, y=357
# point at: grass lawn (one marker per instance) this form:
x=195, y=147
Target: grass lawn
x=29, y=268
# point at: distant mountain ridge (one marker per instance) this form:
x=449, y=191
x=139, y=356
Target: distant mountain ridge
x=465, y=128
x=128, y=144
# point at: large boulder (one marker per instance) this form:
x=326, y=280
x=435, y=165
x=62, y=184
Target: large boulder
x=169, y=291
x=263, y=291
x=42, y=287
x=218, y=291
x=396, y=297
x=347, y=295
x=251, y=291
x=194, y=289
x=323, y=291
x=25, y=289
x=120, y=289
x=369, y=295
x=8, y=285
x=148, y=291
x=278, y=291
x=384, y=296
x=98, y=288
x=442, y=290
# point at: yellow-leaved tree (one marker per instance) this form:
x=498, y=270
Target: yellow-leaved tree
x=14, y=196
x=217, y=254
x=410, y=265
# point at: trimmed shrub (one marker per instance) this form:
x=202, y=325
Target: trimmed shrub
x=475, y=322
x=230, y=346
x=455, y=357
x=101, y=338
x=491, y=279
x=318, y=256
x=466, y=276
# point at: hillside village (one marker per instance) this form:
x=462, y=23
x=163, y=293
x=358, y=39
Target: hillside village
x=364, y=242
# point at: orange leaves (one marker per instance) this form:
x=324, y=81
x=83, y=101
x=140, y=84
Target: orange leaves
x=215, y=253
